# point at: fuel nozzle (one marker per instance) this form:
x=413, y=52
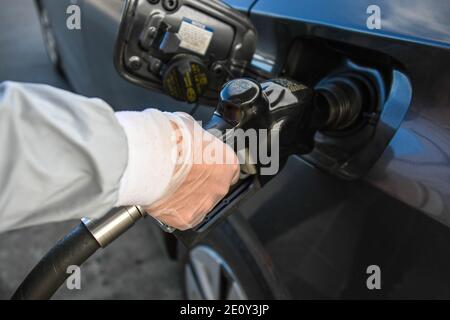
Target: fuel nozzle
x=296, y=111
x=241, y=104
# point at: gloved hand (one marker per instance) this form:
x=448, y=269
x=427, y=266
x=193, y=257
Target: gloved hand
x=205, y=170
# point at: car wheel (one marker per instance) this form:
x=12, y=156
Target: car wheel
x=208, y=276
x=221, y=268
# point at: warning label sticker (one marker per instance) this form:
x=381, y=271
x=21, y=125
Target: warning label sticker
x=195, y=36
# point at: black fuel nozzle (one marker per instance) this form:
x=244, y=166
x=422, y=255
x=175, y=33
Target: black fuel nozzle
x=241, y=105
x=294, y=111
x=278, y=107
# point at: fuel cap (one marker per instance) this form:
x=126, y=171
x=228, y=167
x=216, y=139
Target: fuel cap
x=237, y=95
x=185, y=78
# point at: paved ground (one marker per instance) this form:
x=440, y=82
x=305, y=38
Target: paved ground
x=134, y=267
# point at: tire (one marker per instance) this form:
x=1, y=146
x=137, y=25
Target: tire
x=220, y=267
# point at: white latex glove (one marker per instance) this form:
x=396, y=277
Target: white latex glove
x=210, y=168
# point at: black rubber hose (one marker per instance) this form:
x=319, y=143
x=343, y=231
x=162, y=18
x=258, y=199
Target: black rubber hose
x=51, y=272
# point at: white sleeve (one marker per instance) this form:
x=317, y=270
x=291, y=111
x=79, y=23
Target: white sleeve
x=64, y=156
x=61, y=155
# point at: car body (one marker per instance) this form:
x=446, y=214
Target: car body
x=318, y=228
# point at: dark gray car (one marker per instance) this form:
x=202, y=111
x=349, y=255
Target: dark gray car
x=374, y=198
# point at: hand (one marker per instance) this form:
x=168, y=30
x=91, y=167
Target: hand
x=214, y=167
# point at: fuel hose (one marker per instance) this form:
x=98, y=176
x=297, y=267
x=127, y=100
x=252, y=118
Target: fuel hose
x=48, y=275
x=74, y=249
